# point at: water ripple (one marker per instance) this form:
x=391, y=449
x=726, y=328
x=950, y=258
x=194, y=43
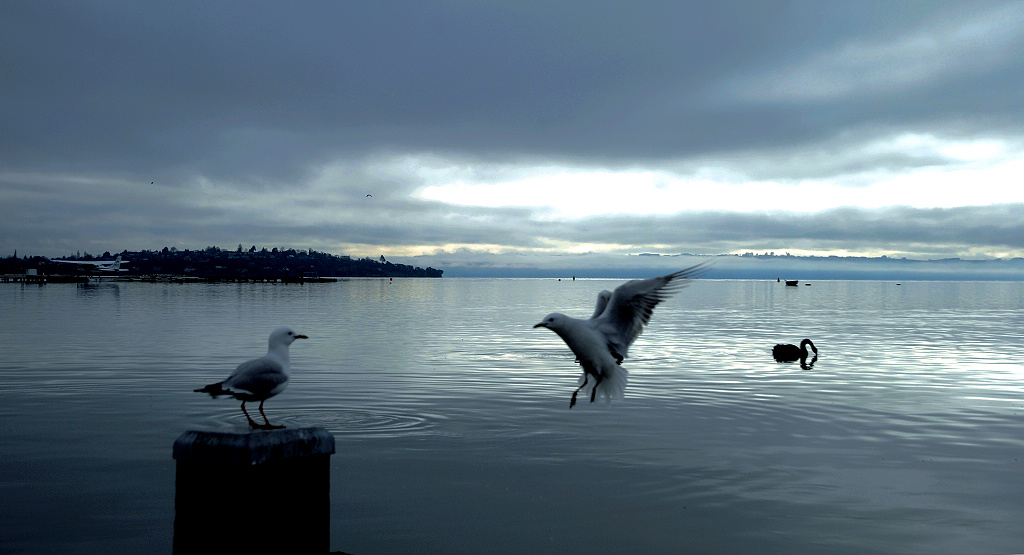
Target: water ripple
x=366, y=423
x=342, y=422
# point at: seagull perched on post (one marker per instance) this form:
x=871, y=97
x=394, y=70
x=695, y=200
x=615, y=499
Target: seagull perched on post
x=601, y=342
x=260, y=378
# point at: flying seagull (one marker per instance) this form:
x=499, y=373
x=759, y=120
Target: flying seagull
x=261, y=378
x=601, y=342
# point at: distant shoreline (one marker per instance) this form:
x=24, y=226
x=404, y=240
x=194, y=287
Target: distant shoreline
x=766, y=268
x=216, y=263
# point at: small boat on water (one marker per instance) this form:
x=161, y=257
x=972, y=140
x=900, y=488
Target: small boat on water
x=792, y=282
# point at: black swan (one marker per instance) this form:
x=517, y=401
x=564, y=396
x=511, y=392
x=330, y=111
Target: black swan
x=790, y=353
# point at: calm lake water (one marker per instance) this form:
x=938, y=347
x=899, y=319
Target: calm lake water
x=453, y=427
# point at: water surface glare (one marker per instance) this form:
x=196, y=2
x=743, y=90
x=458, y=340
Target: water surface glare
x=454, y=434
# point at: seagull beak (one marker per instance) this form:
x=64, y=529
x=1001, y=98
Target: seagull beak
x=540, y=325
x=300, y=336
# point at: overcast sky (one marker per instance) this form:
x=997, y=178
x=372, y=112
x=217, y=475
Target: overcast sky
x=512, y=133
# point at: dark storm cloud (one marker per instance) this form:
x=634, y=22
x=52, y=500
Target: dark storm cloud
x=230, y=88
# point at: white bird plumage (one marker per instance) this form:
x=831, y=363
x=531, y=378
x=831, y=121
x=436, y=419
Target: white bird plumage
x=601, y=342
x=261, y=378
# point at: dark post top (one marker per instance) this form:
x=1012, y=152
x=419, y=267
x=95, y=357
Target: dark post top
x=253, y=448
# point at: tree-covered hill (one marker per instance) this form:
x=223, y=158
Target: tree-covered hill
x=214, y=261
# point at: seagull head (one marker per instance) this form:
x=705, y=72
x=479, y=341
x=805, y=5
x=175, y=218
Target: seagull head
x=284, y=336
x=552, y=321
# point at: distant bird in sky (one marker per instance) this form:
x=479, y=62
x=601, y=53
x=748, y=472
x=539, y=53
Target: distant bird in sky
x=601, y=342
x=784, y=352
x=261, y=378
x=369, y=195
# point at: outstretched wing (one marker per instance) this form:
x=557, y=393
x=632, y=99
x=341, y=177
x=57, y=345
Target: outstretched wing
x=602, y=302
x=632, y=304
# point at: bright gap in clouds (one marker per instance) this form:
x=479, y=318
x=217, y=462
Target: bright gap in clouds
x=958, y=173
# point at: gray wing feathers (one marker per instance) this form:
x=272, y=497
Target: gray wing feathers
x=633, y=302
x=602, y=302
x=257, y=376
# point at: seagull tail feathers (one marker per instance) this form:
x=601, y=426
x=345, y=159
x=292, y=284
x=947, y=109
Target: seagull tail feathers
x=215, y=390
x=613, y=384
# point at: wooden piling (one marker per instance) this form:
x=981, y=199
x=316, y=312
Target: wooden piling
x=257, y=492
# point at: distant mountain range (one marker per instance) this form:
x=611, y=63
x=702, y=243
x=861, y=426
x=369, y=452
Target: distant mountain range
x=880, y=268
x=755, y=266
